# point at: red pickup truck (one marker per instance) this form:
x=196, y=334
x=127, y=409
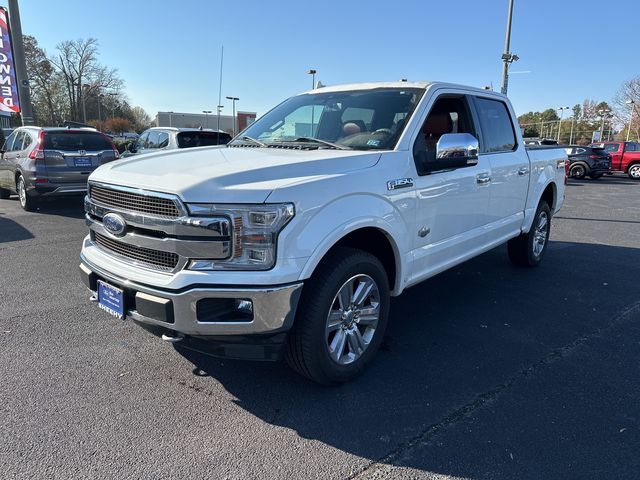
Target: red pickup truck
x=625, y=157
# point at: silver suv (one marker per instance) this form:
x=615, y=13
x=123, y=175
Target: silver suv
x=169, y=138
x=37, y=162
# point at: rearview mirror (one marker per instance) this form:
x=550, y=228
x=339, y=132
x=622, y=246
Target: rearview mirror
x=456, y=150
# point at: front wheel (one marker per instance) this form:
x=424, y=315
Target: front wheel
x=528, y=249
x=27, y=202
x=634, y=171
x=341, y=318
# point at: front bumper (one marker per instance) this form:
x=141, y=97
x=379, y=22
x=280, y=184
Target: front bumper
x=274, y=307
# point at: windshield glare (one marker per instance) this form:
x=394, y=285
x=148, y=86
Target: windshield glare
x=360, y=119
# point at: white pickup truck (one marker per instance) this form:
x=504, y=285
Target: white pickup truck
x=290, y=240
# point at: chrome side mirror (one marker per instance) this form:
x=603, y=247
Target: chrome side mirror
x=457, y=150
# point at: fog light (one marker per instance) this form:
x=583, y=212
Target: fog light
x=244, y=306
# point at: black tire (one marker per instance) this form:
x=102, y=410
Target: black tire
x=27, y=202
x=595, y=176
x=308, y=343
x=4, y=193
x=521, y=249
x=577, y=171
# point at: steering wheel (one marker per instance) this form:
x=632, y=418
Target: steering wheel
x=386, y=131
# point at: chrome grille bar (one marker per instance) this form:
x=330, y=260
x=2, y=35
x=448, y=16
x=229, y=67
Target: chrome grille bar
x=134, y=202
x=156, y=259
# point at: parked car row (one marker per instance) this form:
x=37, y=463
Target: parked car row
x=38, y=162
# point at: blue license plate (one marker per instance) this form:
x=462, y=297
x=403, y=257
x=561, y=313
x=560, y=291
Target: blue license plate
x=82, y=162
x=111, y=299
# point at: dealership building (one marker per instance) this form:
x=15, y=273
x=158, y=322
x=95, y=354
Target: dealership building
x=204, y=120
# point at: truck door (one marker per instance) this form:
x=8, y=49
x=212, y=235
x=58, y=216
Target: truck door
x=451, y=204
x=509, y=164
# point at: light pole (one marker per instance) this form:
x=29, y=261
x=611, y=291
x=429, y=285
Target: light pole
x=562, y=109
x=219, y=107
x=113, y=105
x=602, y=114
x=633, y=107
x=233, y=103
x=312, y=72
x=170, y=119
x=507, y=57
x=206, y=116
x=571, y=134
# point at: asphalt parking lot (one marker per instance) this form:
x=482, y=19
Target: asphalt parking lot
x=488, y=371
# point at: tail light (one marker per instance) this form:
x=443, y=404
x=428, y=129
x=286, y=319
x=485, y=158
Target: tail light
x=38, y=152
x=113, y=146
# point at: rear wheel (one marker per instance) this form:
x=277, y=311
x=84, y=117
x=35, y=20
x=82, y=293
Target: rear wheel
x=577, y=171
x=27, y=202
x=528, y=249
x=634, y=171
x=341, y=318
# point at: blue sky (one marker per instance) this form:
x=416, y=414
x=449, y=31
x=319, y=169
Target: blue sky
x=168, y=53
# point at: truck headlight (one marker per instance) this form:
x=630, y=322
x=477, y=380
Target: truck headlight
x=255, y=234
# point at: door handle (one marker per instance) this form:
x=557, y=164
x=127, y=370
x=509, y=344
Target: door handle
x=523, y=171
x=483, y=179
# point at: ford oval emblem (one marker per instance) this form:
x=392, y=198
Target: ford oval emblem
x=114, y=224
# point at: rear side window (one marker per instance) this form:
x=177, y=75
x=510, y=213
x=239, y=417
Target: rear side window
x=73, y=141
x=202, y=139
x=497, y=128
x=631, y=147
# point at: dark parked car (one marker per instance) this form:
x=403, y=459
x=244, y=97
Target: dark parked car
x=588, y=161
x=36, y=162
x=170, y=138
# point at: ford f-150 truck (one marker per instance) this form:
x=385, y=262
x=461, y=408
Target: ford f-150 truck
x=625, y=157
x=290, y=240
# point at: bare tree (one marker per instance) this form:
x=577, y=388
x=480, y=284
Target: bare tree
x=77, y=60
x=47, y=85
x=629, y=91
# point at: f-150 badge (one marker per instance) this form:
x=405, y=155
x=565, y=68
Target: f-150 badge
x=399, y=183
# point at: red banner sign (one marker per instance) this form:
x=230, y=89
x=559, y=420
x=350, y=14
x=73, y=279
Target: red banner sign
x=9, y=101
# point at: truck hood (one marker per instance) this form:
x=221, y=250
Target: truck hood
x=229, y=175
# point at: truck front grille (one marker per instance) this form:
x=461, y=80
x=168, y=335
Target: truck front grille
x=134, y=202
x=156, y=259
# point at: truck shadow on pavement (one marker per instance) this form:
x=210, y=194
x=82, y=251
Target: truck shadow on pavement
x=11, y=231
x=488, y=372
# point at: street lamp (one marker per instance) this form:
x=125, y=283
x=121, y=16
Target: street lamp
x=113, y=105
x=233, y=103
x=507, y=57
x=206, y=116
x=219, y=107
x=603, y=114
x=633, y=107
x=170, y=119
x=312, y=72
x=562, y=109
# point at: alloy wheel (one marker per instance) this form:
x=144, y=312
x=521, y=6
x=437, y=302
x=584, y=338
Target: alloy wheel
x=540, y=234
x=353, y=318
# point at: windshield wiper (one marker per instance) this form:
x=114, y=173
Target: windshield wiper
x=323, y=142
x=252, y=140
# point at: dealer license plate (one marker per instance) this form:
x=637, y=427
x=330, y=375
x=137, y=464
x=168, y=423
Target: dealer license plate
x=82, y=162
x=111, y=299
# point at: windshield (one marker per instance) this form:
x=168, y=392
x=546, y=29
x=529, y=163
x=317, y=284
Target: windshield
x=359, y=119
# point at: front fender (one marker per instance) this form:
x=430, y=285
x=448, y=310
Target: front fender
x=325, y=227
